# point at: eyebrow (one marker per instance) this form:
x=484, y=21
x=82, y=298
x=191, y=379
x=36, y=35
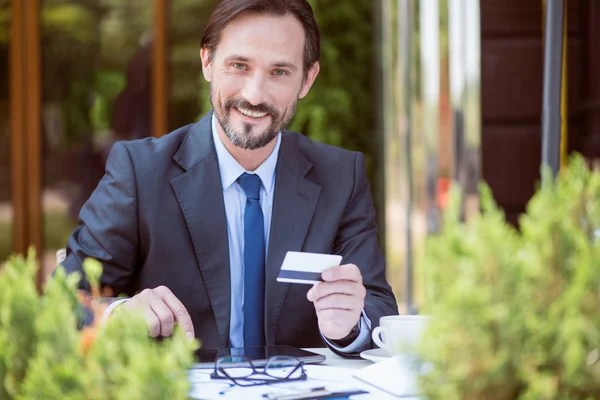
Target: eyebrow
x=237, y=58
x=280, y=64
x=285, y=65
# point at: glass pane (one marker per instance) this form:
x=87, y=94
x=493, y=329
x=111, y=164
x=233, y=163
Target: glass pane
x=432, y=130
x=96, y=78
x=6, y=216
x=465, y=87
x=393, y=69
x=189, y=91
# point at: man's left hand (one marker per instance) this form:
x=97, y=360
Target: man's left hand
x=339, y=300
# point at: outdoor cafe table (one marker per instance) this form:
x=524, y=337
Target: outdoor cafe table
x=337, y=363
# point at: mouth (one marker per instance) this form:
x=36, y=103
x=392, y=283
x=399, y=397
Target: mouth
x=256, y=116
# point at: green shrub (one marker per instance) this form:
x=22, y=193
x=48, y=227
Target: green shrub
x=517, y=313
x=44, y=356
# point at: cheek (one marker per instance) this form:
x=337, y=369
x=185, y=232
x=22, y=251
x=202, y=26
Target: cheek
x=229, y=86
x=284, y=95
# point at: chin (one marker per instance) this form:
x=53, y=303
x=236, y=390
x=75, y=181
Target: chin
x=257, y=129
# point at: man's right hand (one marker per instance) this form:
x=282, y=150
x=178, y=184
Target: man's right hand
x=162, y=310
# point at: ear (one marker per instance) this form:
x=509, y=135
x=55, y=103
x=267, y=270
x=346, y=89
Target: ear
x=205, y=56
x=310, y=79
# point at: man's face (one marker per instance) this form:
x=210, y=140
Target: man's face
x=257, y=77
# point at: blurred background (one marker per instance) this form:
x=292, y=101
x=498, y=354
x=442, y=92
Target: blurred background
x=430, y=90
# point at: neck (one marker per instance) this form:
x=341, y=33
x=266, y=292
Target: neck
x=250, y=160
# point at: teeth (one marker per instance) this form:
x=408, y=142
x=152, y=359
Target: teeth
x=251, y=114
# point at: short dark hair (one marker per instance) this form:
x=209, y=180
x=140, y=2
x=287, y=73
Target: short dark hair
x=227, y=10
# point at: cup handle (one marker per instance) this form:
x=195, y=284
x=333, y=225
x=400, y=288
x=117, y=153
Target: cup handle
x=377, y=337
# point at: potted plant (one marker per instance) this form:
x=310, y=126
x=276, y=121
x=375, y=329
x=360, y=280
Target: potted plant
x=517, y=312
x=44, y=356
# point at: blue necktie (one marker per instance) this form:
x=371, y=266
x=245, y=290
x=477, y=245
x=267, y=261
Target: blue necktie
x=254, y=263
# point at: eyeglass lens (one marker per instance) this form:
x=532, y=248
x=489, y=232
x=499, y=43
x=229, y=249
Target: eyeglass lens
x=236, y=367
x=283, y=368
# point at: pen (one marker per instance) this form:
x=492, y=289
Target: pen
x=342, y=395
x=298, y=396
x=316, y=393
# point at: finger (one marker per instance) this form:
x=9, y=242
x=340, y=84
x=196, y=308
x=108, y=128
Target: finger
x=151, y=299
x=165, y=316
x=152, y=322
x=339, y=302
x=349, y=272
x=338, y=316
x=325, y=289
x=310, y=295
x=141, y=303
x=178, y=310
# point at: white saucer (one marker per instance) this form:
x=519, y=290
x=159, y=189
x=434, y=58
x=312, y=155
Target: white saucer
x=375, y=355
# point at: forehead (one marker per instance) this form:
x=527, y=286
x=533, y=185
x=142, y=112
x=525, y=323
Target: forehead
x=273, y=38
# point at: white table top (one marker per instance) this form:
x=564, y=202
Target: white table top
x=335, y=373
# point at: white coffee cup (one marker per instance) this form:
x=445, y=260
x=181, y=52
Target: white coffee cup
x=397, y=334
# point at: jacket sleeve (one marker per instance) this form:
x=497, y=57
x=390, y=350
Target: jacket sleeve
x=356, y=241
x=108, y=226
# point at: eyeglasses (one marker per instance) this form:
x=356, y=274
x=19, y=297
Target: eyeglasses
x=241, y=371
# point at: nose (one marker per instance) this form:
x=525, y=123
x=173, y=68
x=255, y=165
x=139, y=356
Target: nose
x=254, y=90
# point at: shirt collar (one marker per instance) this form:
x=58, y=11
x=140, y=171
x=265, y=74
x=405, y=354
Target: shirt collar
x=231, y=170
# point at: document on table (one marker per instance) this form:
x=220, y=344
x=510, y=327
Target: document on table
x=396, y=375
x=335, y=379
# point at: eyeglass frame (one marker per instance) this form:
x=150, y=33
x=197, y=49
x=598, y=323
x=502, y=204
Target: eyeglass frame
x=256, y=371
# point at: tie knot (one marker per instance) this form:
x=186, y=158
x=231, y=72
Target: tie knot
x=251, y=185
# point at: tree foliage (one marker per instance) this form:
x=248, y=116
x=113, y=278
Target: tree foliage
x=517, y=313
x=340, y=109
x=44, y=356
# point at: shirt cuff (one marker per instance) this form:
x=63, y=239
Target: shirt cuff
x=364, y=337
x=110, y=309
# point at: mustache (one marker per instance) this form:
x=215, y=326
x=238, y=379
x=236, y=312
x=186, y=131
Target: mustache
x=259, y=108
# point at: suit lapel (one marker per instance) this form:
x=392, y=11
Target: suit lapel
x=200, y=195
x=294, y=203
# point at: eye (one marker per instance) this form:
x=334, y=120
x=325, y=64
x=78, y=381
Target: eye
x=239, y=66
x=280, y=72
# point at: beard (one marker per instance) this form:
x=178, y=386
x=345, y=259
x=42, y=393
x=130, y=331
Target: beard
x=247, y=138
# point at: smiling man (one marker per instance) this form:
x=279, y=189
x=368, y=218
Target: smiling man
x=194, y=226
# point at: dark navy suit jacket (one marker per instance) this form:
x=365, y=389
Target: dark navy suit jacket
x=157, y=218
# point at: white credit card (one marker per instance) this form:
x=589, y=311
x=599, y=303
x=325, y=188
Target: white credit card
x=299, y=267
